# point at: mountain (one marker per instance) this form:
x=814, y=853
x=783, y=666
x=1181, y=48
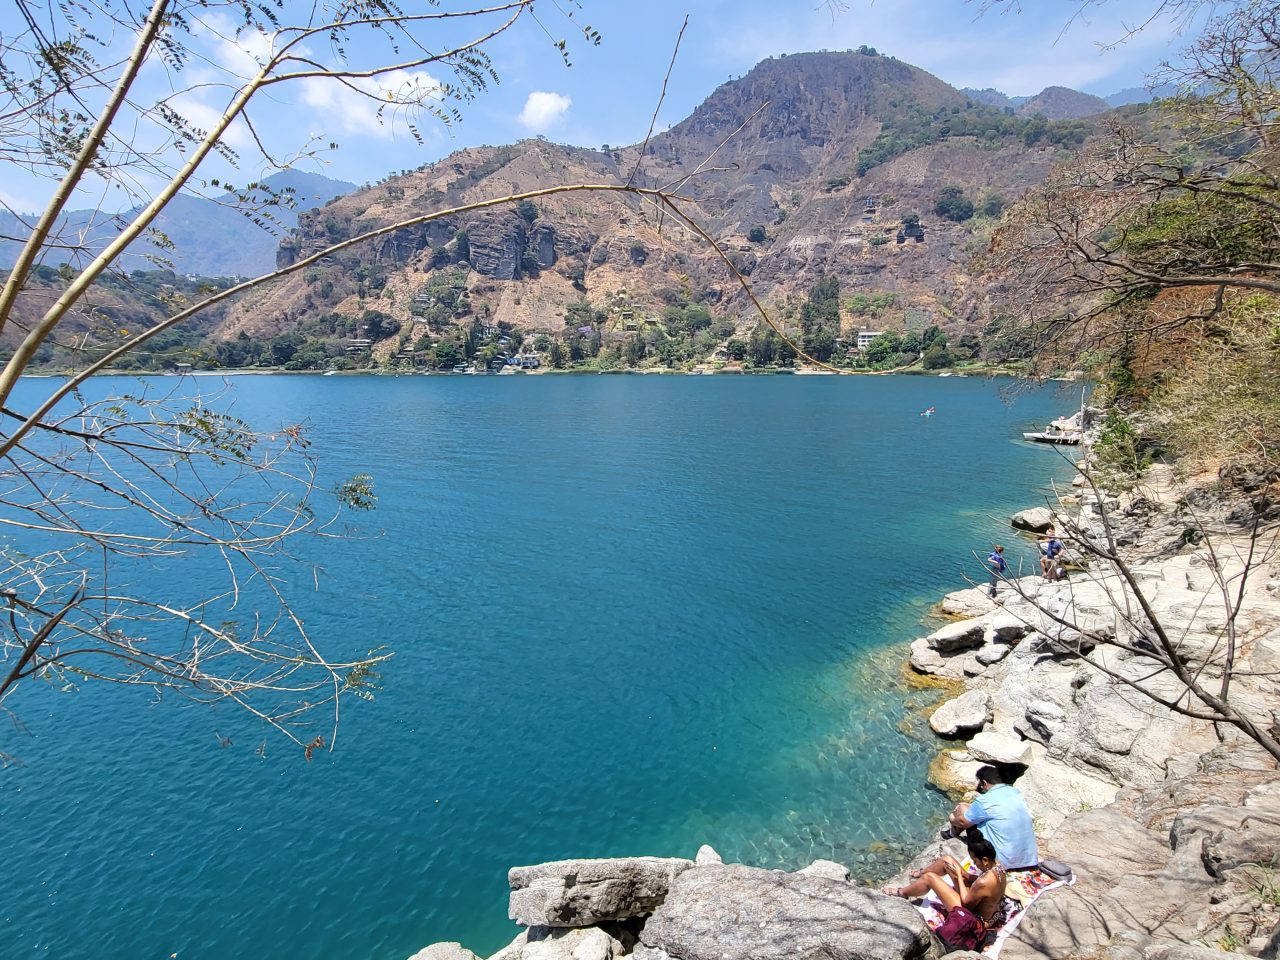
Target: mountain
x=804, y=170
x=1059, y=103
x=1130, y=95
x=788, y=155
x=210, y=237
x=1054, y=103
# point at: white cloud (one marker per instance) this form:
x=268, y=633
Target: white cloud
x=543, y=111
x=241, y=54
x=204, y=117
x=29, y=197
x=353, y=107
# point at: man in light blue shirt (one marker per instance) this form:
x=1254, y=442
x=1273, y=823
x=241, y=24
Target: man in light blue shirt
x=1001, y=814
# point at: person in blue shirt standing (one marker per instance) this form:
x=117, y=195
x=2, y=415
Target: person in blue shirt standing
x=1001, y=814
x=998, y=568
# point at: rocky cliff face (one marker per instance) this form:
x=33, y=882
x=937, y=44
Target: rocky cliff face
x=1170, y=826
x=774, y=165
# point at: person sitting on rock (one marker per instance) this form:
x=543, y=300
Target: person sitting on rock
x=1002, y=815
x=1051, y=558
x=973, y=901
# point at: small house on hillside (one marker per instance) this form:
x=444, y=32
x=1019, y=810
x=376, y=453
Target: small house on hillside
x=866, y=336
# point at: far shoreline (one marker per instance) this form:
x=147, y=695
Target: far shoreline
x=986, y=373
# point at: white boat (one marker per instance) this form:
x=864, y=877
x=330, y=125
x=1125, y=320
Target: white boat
x=1062, y=437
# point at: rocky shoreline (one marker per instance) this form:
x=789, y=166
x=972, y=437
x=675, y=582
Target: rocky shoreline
x=1172, y=827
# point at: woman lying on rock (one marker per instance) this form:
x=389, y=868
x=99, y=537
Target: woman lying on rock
x=973, y=901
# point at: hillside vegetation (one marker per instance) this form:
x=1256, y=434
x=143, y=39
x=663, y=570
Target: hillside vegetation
x=850, y=166
x=1152, y=260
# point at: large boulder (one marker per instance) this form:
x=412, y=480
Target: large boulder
x=990, y=654
x=1007, y=627
x=578, y=893
x=746, y=913
x=707, y=854
x=1000, y=748
x=1044, y=719
x=1117, y=732
x=591, y=943
x=1234, y=836
x=925, y=659
x=973, y=602
x=826, y=868
x=1037, y=519
x=961, y=635
x=963, y=716
x=557, y=943
x=444, y=951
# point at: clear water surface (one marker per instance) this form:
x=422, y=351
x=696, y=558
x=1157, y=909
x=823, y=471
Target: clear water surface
x=631, y=615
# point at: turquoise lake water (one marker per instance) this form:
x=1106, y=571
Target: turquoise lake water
x=631, y=615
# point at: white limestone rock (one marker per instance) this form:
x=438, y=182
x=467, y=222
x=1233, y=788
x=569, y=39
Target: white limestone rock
x=991, y=654
x=1044, y=719
x=707, y=854
x=1007, y=627
x=963, y=716
x=642, y=952
x=995, y=747
x=589, y=943
x=961, y=635
x=826, y=868
x=744, y=913
x=970, y=603
x=1037, y=519
x=547, y=943
x=1057, y=791
x=579, y=893
x=954, y=771
x=444, y=951
x=514, y=949
x=926, y=660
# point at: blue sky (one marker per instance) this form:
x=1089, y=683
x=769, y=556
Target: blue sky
x=609, y=93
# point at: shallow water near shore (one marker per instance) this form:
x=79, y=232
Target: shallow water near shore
x=630, y=615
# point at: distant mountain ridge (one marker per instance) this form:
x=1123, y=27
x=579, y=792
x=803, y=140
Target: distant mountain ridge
x=1131, y=95
x=210, y=237
x=1054, y=103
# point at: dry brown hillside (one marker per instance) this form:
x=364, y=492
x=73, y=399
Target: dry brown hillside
x=818, y=135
